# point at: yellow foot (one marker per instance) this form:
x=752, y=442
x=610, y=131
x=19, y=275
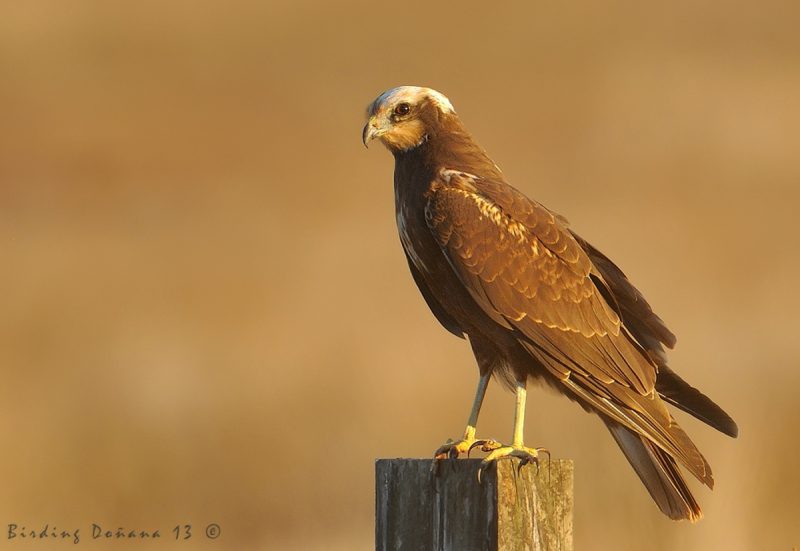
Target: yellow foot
x=498, y=451
x=452, y=449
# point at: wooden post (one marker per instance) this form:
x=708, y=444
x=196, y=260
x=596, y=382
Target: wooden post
x=448, y=510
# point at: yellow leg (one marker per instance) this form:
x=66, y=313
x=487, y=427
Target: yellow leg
x=454, y=449
x=517, y=448
x=519, y=415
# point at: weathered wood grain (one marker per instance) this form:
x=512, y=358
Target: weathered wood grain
x=418, y=510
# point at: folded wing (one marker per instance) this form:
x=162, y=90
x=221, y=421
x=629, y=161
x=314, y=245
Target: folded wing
x=529, y=274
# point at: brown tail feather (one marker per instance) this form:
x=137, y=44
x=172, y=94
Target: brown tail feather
x=659, y=473
x=679, y=393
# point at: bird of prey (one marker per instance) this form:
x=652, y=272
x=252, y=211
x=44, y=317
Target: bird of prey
x=535, y=300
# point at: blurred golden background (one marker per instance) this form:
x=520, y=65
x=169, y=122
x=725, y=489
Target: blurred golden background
x=207, y=316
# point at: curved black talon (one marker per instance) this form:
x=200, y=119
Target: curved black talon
x=486, y=445
x=525, y=459
x=544, y=450
x=483, y=468
x=528, y=458
x=446, y=451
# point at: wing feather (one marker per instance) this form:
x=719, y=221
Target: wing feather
x=526, y=271
x=522, y=266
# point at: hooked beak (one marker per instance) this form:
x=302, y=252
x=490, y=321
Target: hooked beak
x=370, y=132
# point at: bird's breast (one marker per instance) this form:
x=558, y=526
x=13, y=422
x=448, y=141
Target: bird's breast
x=410, y=238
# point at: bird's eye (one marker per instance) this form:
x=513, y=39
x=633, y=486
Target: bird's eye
x=402, y=109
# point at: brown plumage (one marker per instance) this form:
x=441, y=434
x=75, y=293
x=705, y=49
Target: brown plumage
x=536, y=300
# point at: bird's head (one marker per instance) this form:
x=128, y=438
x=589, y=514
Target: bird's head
x=404, y=117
